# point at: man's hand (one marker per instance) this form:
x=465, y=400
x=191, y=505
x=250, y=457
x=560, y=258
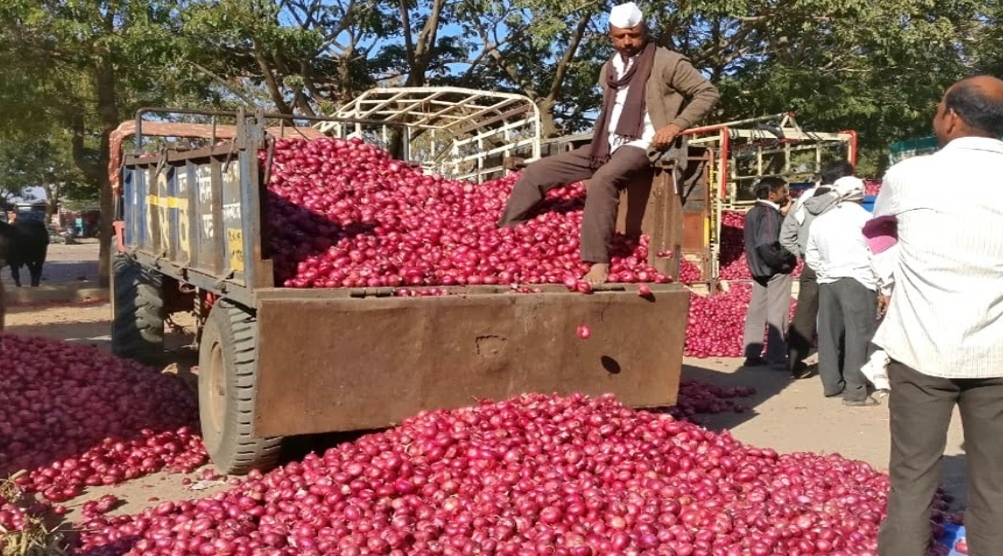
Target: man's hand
x=665, y=136
x=787, y=207
x=883, y=304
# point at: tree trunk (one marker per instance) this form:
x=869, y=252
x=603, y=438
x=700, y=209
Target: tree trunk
x=548, y=127
x=108, y=114
x=52, y=194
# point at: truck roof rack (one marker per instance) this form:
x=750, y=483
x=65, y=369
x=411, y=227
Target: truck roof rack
x=457, y=132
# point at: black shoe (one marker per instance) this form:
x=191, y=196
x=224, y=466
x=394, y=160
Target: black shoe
x=800, y=372
x=861, y=403
x=754, y=362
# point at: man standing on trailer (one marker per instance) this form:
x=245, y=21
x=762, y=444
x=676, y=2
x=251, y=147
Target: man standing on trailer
x=944, y=327
x=644, y=86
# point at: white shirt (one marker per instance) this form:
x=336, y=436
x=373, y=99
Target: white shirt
x=648, y=130
x=836, y=246
x=945, y=317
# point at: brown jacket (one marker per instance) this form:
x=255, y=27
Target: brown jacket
x=674, y=79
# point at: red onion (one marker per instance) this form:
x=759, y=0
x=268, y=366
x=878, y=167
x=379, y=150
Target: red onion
x=344, y=214
x=532, y=475
x=74, y=417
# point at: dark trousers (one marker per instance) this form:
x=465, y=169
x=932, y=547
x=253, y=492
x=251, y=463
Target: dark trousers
x=803, y=325
x=847, y=311
x=920, y=409
x=602, y=195
x=770, y=308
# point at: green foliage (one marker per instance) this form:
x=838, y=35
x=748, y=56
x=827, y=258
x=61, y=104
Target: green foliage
x=74, y=68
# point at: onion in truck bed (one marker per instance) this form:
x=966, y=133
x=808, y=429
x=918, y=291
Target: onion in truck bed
x=342, y=213
x=571, y=476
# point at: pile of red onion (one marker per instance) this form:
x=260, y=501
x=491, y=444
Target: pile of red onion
x=570, y=476
x=732, y=260
x=343, y=213
x=716, y=323
x=74, y=417
x=697, y=397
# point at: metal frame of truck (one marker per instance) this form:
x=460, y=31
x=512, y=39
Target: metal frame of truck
x=463, y=134
x=276, y=362
x=774, y=145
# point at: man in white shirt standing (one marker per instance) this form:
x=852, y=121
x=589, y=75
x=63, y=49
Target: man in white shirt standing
x=848, y=296
x=944, y=327
x=644, y=87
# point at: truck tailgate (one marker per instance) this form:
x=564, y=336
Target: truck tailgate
x=335, y=363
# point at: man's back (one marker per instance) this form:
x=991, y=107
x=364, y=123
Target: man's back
x=946, y=312
x=840, y=246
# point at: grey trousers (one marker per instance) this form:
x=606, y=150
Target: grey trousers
x=602, y=196
x=920, y=409
x=847, y=311
x=803, y=325
x=770, y=307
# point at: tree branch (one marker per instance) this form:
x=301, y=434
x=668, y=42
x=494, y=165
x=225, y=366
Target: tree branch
x=569, y=54
x=274, y=89
x=223, y=82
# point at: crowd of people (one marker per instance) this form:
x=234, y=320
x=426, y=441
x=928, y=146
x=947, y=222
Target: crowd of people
x=842, y=286
x=906, y=303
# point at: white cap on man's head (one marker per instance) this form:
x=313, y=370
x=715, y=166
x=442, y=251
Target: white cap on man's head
x=625, y=16
x=849, y=188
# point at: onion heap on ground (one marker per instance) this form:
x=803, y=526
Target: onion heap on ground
x=74, y=417
x=569, y=476
x=716, y=323
x=534, y=475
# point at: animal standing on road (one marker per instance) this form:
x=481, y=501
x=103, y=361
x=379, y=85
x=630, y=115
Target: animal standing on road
x=24, y=243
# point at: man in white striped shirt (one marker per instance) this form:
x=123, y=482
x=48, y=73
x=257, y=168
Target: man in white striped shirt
x=944, y=326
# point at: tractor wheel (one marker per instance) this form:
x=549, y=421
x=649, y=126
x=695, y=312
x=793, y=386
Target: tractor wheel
x=138, y=308
x=227, y=384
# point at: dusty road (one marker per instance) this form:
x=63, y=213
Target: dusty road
x=787, y=416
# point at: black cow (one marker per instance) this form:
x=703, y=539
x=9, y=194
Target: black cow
x=24, y=243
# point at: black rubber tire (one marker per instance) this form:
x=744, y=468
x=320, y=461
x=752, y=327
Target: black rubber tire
x=227, y=385
x=137, y=331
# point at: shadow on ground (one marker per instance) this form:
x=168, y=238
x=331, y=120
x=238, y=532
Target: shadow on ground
x=767, y=381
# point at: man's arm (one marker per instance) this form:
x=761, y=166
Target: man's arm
x=887, y=201
x=768, y=247
x=789, y=234
x=700, y=92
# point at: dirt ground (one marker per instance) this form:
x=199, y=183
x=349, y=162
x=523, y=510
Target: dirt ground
x=788, y=416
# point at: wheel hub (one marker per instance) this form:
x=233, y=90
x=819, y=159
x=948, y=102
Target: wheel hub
x=217, y=386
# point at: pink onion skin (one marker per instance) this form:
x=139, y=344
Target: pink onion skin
x=531, y=475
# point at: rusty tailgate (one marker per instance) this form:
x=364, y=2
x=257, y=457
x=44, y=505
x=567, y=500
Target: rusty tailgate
x=335, y=363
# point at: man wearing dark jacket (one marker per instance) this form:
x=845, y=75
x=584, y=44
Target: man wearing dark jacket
x=771, y=266
x=650, y=96
x=794, y=237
